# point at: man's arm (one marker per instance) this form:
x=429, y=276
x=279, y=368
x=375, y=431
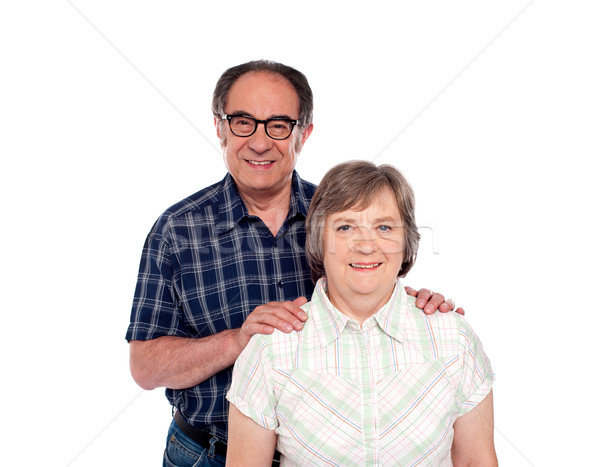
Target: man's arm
x=182, y=362
x=473, y=443
x=248, y=444
x=431, y=302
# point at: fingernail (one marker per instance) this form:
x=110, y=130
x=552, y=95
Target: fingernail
x=420, y=302
x=302, y=315
x=288, y=327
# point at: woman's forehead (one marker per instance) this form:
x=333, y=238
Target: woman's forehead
x=382, y=205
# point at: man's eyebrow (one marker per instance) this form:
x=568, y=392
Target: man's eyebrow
x=243, y=113
x=240, y=113
x=287, y=117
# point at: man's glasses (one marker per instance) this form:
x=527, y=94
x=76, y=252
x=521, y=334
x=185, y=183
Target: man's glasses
x=244, y=126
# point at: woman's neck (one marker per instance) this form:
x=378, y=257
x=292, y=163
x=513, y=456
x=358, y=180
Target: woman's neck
x=359, y=307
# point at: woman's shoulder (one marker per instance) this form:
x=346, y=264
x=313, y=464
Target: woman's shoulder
x=277, y=348
x=446, y=331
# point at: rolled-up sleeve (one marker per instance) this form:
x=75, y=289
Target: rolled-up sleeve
x=155, y=310
x=476, y=376
x=252, y=387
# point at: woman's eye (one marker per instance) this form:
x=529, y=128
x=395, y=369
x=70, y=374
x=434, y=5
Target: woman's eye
x=344, y=228
x=384, y=228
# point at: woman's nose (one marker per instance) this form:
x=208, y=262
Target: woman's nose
x=365, y=241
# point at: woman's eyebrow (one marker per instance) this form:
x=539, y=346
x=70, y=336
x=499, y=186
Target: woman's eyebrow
x=387, y=219
x=336, y=220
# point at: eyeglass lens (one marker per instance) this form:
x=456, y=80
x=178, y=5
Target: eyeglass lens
x=245, y=126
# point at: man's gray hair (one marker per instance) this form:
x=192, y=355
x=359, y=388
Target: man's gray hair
x=355, y=184
x=293, y=76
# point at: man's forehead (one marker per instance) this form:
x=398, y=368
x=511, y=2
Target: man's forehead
x=259, y=90
x=263, y=76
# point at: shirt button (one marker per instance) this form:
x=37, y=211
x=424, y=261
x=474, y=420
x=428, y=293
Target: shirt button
x=280, y=284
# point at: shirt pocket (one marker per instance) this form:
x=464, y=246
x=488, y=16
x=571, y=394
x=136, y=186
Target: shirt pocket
x=315, y=407
x=417, y=407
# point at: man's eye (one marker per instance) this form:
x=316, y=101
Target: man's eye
x=384, y=228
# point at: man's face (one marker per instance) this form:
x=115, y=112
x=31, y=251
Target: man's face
x=259, y=164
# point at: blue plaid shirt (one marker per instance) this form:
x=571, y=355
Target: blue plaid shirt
x=205, y=266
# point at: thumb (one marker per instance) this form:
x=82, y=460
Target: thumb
x=300, y=301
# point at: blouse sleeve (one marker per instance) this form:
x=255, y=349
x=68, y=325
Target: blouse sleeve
x=476, y=376
x=252, y=387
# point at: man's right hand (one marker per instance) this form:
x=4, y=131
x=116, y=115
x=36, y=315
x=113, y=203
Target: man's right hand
x=285, y=316
x=182, y=362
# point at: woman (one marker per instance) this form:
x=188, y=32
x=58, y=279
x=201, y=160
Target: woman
x=370, y=380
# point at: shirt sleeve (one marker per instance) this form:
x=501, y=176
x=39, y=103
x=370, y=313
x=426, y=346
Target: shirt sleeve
x=252, y=386
x=476, y=376
x=155, y=311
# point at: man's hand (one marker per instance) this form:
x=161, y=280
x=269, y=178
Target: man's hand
x=431, y=302
x=285, y=316
x=183, y=362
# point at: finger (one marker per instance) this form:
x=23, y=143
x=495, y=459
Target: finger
x=300, y=314
x=410, y=291
x=266, y=323
x=300, y=301
x=447, y=306
x=296, y=314
x=285, y=316
x=434, y=303
x=248, y=329
x=423, y=297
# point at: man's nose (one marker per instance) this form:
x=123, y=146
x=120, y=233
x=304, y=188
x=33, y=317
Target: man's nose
x=260, y=141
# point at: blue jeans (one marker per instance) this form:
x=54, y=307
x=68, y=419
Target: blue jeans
x=181, y=451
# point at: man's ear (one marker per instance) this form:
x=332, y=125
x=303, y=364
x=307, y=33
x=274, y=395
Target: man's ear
x=306, y=133
x=218, y=127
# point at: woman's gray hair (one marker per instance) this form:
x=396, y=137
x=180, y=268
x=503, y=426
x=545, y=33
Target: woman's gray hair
x=355, y=184
x=295, y=78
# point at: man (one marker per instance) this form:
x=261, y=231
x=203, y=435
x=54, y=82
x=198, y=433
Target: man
x=229, y=261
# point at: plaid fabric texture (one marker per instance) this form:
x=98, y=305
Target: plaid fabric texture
x=386, y=394
x=205, y=266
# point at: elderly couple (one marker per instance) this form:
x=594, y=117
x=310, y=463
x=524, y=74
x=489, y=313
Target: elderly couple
x=357, y=376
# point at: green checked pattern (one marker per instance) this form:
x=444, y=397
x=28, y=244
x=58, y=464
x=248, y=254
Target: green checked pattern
x=384, y=394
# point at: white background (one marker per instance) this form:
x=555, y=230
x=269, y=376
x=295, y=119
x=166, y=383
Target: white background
x=491, y=110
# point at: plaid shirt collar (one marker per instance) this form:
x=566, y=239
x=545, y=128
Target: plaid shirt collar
x=391, y=318
x=232, y=209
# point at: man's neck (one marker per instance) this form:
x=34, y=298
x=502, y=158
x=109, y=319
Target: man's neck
x=271, y=208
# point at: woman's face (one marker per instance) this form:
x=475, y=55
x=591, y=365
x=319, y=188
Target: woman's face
x=363, y=253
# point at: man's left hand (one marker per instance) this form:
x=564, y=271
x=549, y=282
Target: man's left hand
x=431, y=302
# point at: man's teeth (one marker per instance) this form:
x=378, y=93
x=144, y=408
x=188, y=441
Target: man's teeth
x=260, y=163
x=365, y=266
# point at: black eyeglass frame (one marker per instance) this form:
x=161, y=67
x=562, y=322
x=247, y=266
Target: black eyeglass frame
x=264, y=122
